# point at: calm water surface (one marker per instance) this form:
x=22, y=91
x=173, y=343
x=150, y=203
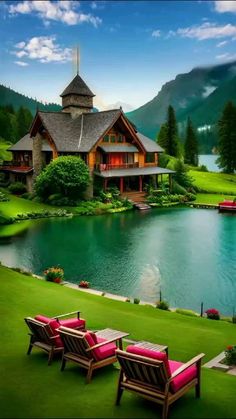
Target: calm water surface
x=209, y=160
x=189, y=253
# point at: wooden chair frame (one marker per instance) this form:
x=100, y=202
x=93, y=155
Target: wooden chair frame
x=148, y=377
x=77, y=349
x=41, y=336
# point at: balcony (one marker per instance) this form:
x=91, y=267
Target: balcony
x=100, y=167
x=16, y=166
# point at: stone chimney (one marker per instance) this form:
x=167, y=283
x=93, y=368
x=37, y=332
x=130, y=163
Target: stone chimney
x=77, y=98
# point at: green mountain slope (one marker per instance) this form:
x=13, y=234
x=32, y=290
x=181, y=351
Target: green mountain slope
x=200, y=94
x=10, y=97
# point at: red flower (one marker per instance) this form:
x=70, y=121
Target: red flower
x=230, y=347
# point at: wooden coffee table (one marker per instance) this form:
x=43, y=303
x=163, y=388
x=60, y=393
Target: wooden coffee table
x=112, y=334
x=152, y=346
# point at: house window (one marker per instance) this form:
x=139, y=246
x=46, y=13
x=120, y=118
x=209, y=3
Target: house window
x=120, y=138
x=106, y=139
x=112, y=138
x=150, y=158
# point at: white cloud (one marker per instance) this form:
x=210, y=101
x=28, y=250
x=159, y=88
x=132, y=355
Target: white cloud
x=208, y=31
x=63, y=11
x=43, y=49
x=156, y=33
x=225, y=6
x=226, y=57
x=221, y=44
x=21, y=63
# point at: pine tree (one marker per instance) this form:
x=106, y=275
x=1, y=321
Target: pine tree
x=23, y=120
x=227, y=139
x=172, y=133
x=191, y=145
x=162, y=139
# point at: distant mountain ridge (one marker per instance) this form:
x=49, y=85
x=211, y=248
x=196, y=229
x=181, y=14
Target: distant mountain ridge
x=8, y=96
x=200, y=94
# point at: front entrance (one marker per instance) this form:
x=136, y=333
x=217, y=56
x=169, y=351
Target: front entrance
x=131, y=183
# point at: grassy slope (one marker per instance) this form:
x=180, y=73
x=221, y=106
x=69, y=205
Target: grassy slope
x=32, y=389
x=18, y=205
x=4, y=154
x=207, y=198
x=219, y=183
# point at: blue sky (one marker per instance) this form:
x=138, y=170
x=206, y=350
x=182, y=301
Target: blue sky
x=128, y=49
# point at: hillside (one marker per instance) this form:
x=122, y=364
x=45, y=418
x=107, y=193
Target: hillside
x=200, y=94
x=10, y=97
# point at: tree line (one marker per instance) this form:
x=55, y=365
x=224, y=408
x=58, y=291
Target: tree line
x=14, y=124
x=168, y=139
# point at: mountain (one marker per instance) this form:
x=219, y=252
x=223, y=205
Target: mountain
x=10, y=97
x=200, y=94
x=126, y=107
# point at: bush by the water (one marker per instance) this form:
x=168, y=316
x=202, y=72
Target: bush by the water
x=54, y=274
x=162, y=305
x=166, y=198
x=213, y=314
x=230, y=355
x=66, y=175
x=42, y=214
x=136, y=300
x=17, y=188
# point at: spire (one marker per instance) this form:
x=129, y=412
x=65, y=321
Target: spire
x=77, y=87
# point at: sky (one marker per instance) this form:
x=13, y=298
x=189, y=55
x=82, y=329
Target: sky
x=127, y=49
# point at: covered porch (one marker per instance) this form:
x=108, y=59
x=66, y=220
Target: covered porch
x=134, y=179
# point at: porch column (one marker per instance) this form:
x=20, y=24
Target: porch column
x=140, y=184
x=105, y=184
x=170, y=182
x=121, y=185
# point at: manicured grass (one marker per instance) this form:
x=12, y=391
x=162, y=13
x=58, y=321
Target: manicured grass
x=18, y=205
x=32, y=389
x=207, y=198
x=219, y=183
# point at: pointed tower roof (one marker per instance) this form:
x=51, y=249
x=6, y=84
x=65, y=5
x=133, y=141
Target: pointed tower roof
x=77, y=87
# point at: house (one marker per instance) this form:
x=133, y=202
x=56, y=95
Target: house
x=115, y=152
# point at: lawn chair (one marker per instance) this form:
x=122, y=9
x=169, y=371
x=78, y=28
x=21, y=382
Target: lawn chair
x=153, y=376
x=43, y=336
x=74, y=322
x=86, y=349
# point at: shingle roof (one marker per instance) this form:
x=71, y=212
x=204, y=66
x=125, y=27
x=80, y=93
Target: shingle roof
x=136, y=171
x=66, y=131
x=149, y=145
x=26, y=144
x=77, y=87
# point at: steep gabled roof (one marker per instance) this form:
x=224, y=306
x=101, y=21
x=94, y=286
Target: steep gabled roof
x=80, y=134
x=26, y=144
x=149, y=145
x=77, y=87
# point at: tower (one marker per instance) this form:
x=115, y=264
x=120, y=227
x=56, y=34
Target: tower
x=77, y=98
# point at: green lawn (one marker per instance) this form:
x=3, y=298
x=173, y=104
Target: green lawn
x=219, y=183
x=207, y=198
x=18, y=205
x=31, y=389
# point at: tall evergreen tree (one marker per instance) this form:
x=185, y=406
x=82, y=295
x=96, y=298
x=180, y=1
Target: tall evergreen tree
x=162, y=138
x=172, y=133
x=227, y=139
x=23, y=120
x=191, y=145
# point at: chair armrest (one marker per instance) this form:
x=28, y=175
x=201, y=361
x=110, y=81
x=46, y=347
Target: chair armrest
x=53, y=337
x=67, y=314
x=100, y=344
x=195, y=360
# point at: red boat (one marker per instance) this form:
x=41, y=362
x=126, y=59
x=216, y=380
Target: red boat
x=227, y=205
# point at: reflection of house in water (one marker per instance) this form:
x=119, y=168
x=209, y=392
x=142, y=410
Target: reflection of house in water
x=115, y=152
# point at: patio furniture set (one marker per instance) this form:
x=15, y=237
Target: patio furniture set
x=145, y=368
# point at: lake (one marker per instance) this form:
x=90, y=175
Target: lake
x=209, y=160
x=189, y=254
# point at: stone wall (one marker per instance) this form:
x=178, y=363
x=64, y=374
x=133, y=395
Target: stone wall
x=38, y=157
x=76, y=105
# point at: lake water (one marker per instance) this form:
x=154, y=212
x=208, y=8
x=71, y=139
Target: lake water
x=189, y=254
x=209, y=160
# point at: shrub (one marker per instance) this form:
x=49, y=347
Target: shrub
x=234, y=319
x=190, y=196
x=177, y=189
x=213, y=314
x=28, y=195
x=17, y=188
x=3, y=197
x=202, y=168
x=162, y=305
x=230, y=355
x=136, y=300
x=66, y=175
x=190, y=313
x=85, y=284
x=54, y=274
x=127, y=300
x=5, y=220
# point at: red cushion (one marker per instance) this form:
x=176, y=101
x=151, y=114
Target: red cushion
x=160, y=356
x=72, y=323
x=183, y=378
x=43, y=319
x=102, y=352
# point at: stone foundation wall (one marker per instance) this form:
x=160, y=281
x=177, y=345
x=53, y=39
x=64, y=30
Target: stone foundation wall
x=38, y=156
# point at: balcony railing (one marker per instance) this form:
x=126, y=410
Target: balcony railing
x=17, y=163
x=105, y=166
